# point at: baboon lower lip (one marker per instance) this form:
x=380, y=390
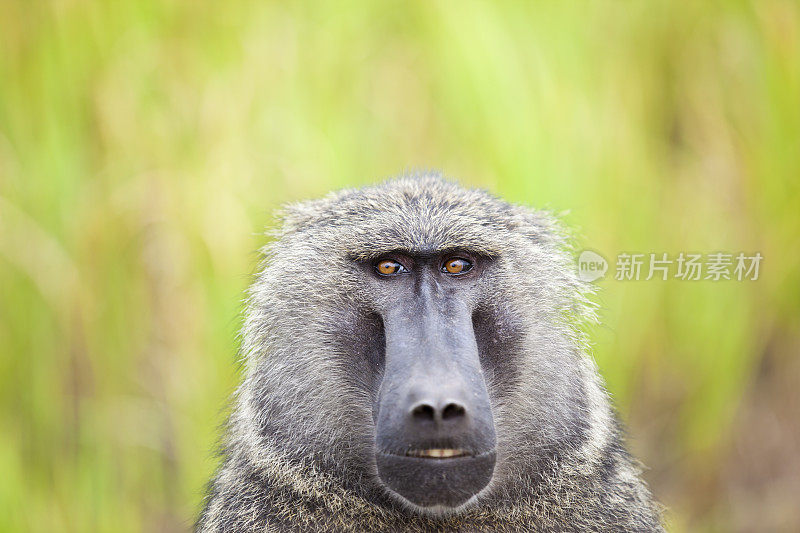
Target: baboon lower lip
x=441, y=482
x=438, y=453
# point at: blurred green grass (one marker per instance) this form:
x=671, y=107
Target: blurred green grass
x=144, y=145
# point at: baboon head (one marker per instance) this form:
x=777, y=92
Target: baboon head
x=416, y=342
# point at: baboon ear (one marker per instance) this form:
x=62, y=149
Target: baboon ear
x=298, y=216
x=540, y=226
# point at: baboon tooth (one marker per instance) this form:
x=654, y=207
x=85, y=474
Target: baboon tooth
x=439, y=453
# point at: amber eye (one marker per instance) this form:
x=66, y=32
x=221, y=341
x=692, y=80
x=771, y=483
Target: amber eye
x=456, y=266
x=387, y=267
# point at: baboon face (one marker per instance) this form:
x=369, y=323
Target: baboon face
x=435, y=436
x=407, y=336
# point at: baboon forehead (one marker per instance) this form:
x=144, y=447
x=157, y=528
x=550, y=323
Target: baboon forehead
x=420, y=214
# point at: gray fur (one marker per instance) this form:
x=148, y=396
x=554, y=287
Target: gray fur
x=299, y=455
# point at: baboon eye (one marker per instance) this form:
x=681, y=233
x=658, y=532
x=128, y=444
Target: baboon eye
x=456, y=266
x=388, y=267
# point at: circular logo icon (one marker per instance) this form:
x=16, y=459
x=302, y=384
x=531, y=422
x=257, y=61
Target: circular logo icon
x=591, y=266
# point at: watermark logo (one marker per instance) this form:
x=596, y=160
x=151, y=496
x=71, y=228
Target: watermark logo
x=683, y=266
x=591, y=266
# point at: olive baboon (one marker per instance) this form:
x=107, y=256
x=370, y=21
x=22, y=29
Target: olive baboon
x=415, y=362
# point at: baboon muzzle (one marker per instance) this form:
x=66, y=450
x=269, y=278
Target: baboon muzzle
x=435, y=436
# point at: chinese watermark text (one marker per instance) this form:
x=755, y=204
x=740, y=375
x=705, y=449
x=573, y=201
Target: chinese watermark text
x=715, y=266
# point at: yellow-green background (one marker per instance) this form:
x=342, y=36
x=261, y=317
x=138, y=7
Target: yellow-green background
x=145, y=144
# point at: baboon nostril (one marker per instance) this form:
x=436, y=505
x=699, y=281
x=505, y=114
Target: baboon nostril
x=452, y=410
x=423, y=411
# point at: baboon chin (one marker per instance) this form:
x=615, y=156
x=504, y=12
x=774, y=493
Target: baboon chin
x=415, y=362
